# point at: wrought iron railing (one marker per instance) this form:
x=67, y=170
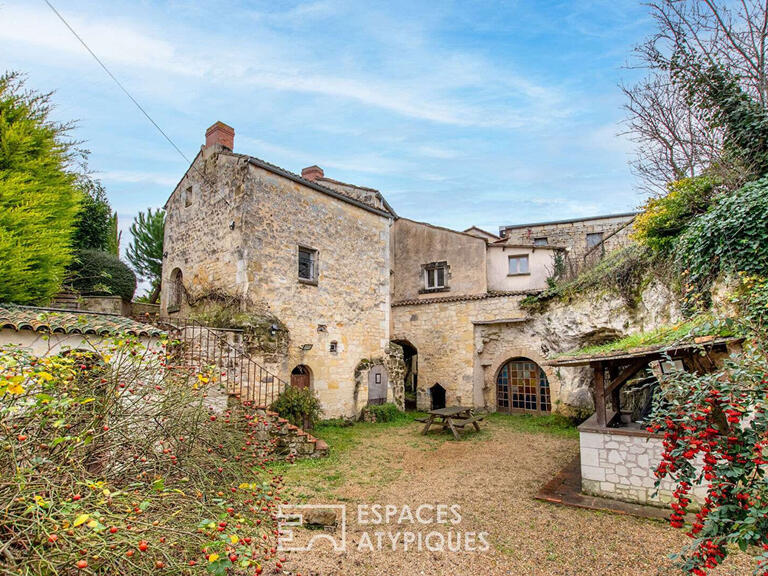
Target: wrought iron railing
x=200, y=345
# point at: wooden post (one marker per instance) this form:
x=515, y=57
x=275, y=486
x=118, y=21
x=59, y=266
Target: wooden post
x=600, y=393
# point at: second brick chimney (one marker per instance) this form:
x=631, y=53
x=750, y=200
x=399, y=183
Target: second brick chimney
x=220, y=134
x=312, y=173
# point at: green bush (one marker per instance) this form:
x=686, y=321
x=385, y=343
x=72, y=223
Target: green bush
x=383, y=413
x=96, y=273
x=731, y=237
x=300, y=406
x=664, y=219
x=621, y=272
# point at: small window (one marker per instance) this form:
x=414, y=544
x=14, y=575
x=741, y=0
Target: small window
x=541, y=241
x=434, y=275
x=334, y=347
x=188, y=197
x=307, y=264
x=518, y=265
x=593, y=239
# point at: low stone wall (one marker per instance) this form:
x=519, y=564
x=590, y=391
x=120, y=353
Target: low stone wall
x=620, y=463
x=289, y=441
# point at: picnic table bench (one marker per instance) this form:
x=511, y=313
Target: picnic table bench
x=453, y=417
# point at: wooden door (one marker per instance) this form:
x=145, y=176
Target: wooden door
x=300, y=377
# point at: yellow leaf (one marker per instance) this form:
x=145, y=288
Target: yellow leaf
x=233, y=538
x=213, y=557
x=45, y=376
x=107, y=358
x=15, y=388
x=81, y=519
x=92, y=524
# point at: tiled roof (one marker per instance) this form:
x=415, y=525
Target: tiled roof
x=463, y=298
x=71, y=321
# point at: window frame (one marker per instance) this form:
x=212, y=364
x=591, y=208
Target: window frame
x=314, y=264
x=594, y=234
x=541, y=241
x=433, y=269
x=519, y=257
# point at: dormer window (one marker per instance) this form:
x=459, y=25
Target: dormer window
x=435, y=276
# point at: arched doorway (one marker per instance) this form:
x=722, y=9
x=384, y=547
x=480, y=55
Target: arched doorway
x=175, y=291
x=411, y=378
x=522, y=386
x=301, y=376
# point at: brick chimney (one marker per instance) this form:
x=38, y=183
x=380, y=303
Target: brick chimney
x=312, y=173
x=221, y=134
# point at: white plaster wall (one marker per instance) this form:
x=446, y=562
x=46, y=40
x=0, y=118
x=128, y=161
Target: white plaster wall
x=622, y=467
x=45, y=344
x=540, y=266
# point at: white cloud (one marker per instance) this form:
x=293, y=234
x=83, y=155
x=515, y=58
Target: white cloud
x=444, y=95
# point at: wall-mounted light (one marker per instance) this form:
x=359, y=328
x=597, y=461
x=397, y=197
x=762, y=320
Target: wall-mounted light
x=305, y=347
x=232, y=225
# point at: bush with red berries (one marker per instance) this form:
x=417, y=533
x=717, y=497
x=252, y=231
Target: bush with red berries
x=715, y=429
x=113, y=462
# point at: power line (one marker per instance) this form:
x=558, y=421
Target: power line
x=136, y=102
x=119, y=84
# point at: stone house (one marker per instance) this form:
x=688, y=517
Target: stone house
x=307, y=252
x=364, y=306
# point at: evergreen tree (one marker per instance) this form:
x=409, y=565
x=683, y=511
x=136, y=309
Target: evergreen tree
x=94, y=227
x=146, y=250
x=39, y=196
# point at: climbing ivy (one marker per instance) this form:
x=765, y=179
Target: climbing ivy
x=731, y=237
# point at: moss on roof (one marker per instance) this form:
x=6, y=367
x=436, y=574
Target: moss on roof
x=60, y=321
x=701, y=326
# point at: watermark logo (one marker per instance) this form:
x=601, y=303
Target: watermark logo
x=312, y=517
x=428, y=527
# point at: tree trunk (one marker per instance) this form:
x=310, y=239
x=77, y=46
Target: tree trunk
x=155, y=293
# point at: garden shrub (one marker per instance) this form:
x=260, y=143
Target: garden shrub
x=663, y=219
x=720, y=418
x=113, y=464
x=382, y=413
x=96, y=273
x=300, y=406
x=731, y=237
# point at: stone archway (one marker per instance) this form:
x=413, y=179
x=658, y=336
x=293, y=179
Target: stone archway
x=491, y=375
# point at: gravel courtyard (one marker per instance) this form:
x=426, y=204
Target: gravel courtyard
x=493, y=476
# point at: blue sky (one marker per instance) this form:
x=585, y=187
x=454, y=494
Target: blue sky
x=461, y=113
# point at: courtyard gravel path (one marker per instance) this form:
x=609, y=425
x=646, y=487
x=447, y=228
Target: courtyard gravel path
x=493, y=476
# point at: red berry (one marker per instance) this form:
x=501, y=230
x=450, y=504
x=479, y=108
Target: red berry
x=81, y=564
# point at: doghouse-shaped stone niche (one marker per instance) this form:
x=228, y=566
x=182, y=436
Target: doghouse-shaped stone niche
x=437, y=396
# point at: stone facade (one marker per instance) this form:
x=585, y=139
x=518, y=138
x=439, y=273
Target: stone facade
x=233, y=230
x=574, y=235
x=619, y=464
x=235, y=226
x=462, y=343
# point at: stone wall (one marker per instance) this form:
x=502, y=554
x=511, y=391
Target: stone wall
x=572, y=234
x=620, y=464
x=463, y=344
x=233, y=229
x=415, y=244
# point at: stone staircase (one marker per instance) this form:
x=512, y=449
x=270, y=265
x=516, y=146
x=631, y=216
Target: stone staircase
x=243, y=378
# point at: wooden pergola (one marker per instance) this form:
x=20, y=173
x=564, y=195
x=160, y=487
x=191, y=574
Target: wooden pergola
x=699, y=356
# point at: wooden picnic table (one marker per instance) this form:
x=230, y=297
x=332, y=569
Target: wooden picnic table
x=453, y=417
